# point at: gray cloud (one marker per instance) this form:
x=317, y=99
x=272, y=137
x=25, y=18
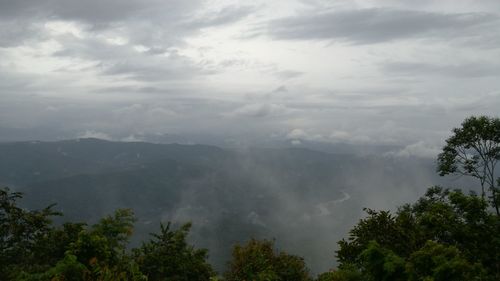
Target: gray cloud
x=157, y=28
x=18, y=32
x=94, y=11
x=163, y=69
x=366, y=26
x=259, y=110
x=223, y=16
x=288, y=74
x=459, y=70
x=153, y=23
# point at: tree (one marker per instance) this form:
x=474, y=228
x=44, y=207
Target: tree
x=445, y=235
x=104, y=242
x=258, y=261
x=168, y=256
x=381, y=264
x=66, y=269
x=76, y=251
x=439, y=262
x=290, y=267
x=101, y=249
x=347, y=272
x=474, y=150
x=392, y=232
x=22, y=233
x=32, y=249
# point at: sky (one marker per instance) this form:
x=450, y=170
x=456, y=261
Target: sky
x=363, y=72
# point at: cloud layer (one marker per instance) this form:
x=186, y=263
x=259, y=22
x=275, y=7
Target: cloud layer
x=378, y=25
x=363, y=72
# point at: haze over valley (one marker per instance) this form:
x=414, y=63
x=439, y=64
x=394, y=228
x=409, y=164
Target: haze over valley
x=305, y=199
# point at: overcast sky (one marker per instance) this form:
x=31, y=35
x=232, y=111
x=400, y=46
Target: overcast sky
x=362, y=72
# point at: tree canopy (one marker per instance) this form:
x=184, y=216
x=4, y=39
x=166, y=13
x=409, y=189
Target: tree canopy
x=445, y=235
x=474, y=150
x=32, y=248
x=168, y=256
x=258, y=260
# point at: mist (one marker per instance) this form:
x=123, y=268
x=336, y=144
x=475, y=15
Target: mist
x=306, y=200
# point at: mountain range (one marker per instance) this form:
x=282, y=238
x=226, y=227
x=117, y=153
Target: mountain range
x=305, y=199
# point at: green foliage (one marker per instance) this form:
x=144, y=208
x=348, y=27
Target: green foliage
x=31, y=249
x=461, y=227
x=257, y=260
x=474, y=150
x=105, y=242
x=392, y=232
x=22, y=233
x=66, y=269
x=445, y=235
x=253, y=261
x=438, y=262
x=169, y=257
x=290, y=267
x=380, y=264
x=88, y=253
x=58, y=241
x=347, y=272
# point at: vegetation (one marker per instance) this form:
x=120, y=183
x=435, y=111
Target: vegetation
x=168, y=257
x=31, y=248
x=257, y=260
x=474, y=150
x=445, y=235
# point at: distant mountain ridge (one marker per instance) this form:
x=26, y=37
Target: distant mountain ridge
x=26, y=162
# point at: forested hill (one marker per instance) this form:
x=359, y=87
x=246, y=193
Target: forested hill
x=293, y=195
x=34, y=161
